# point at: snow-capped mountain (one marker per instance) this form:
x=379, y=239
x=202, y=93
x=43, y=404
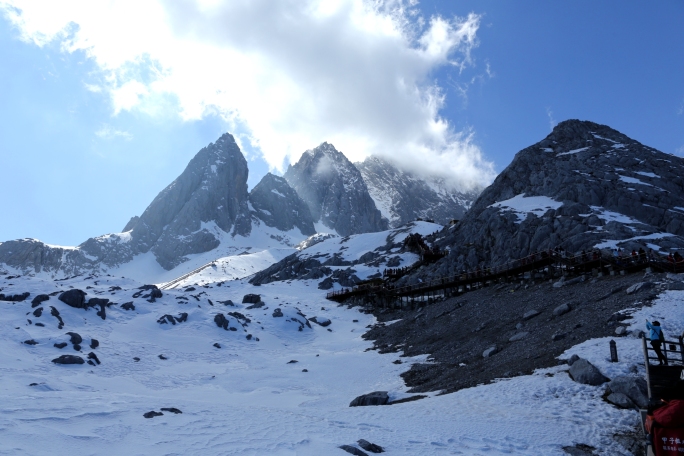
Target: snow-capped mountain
x=344, y=261
x=403, y=197
x=335, y=192
x=204, y=214
x=584, y=186
x=276, y=204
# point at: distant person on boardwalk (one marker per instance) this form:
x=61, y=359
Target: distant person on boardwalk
x=657, y=338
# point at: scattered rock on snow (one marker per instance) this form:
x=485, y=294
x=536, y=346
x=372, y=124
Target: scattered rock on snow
x=277, y=313
x=634, y=388
x=582, y=371
x=171, y=409
x=94, y=357
x=128, y=306
x=152, y=414
x=251, y=298
x=217, y=345
x=30, y=342
x=74, y=298
x=374, y=398
x=373, y=448
x=572, y=359
x=61, y=345
x=39, y=299
x=75, y=338
x=353, y=450
x=68, y=359
x=94, y=343
x=620, y=400
x=321, y=321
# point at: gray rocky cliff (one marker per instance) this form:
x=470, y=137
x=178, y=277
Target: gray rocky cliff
x=335, y=192
x=212, y=190
x=188, y=217
x=583, y=186
x=278, y=205
x=403, y=197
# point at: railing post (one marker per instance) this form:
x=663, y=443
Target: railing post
x=648, y=367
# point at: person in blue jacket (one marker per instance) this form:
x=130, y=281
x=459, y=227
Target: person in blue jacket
x=656, y=336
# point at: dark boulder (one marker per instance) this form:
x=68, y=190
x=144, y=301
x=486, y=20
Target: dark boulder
x=374, y=398
x=277, y=313
x=14, y=298
x=152, y=414
x=634, y=388
x=171, y=410
x=128, y=306
x=38, y=312
x=353, y=450
x=251, y=298
x=30, y=342
x=582, y=371
x=39, y=299
x=94, y=343
x=74, y=298
x=68, y=359
x=61, y=345
x=75, y=338
x=94, y=357
x=221, y=321
x=321, y=321
x=373, y=448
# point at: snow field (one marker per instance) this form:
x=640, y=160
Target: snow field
x=245, y=399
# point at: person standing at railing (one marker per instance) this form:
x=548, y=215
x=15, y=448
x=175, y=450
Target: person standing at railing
x=657, y=338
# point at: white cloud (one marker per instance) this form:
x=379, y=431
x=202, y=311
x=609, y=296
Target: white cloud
x=552, y=121
x=286, y=74
x=680, y=151
x=107, y=132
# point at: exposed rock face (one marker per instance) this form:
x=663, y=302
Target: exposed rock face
x=187, y=217
x=335, y=192
x=279, y=206
x=212, y=191
x=403, y=197
x=581, y=187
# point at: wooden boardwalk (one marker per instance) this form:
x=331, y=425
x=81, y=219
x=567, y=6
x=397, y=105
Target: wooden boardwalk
x=543, y=265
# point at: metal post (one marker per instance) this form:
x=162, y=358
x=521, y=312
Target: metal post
x=613, y=352
x=648, y=367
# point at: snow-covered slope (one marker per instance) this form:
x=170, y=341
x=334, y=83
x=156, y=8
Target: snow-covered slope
x=344, y=261
x=249, y=396
x=403, y=197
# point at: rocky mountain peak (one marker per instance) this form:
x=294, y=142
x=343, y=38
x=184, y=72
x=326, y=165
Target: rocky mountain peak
x=402, y=196
x=278, y=205
x=582, y=187
x=334, y=191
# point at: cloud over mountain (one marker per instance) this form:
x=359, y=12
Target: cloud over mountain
x=286, y=74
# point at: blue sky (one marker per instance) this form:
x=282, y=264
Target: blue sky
x=90, y=131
